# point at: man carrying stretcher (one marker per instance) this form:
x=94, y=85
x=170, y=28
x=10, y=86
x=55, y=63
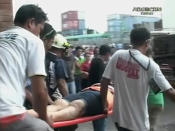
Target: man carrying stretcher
x=85, y=103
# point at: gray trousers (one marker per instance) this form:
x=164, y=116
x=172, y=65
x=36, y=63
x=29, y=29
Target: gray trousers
x=29, y=123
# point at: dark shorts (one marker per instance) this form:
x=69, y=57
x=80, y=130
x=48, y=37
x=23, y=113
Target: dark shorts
x=92, y=100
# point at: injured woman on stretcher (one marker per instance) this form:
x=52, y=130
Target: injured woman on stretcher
x=85, y=103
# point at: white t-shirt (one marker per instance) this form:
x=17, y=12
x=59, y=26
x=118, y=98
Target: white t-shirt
x=22, y=55
x=131, y=74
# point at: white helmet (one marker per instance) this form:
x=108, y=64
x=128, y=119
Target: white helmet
x=60, y=42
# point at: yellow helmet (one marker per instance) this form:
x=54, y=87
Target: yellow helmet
x=60, y=42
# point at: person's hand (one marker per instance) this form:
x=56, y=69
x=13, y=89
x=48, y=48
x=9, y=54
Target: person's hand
x=105, y=108
x=85, y=74
x=33, y=113
x=49, y=120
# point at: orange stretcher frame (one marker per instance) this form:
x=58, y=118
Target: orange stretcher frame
x=80, y=120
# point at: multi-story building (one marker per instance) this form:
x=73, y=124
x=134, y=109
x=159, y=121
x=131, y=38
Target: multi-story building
x=73, y=23
x=89, y=39
x=120, y=25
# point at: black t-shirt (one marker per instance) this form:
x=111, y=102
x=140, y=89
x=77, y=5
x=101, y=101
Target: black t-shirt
x=96, y=71
x=56, y=69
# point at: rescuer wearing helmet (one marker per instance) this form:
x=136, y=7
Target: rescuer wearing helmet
x=56, y=69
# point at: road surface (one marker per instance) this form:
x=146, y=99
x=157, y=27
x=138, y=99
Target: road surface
x=166, y=122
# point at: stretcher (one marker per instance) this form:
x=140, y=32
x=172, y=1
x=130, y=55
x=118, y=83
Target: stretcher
x=80, y=120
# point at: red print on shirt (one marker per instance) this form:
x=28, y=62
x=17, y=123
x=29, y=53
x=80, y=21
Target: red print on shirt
x=132, y=69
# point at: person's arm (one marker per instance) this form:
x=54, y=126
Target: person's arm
x=62, y=86
x=104, y=89
x=29, y=97
x=85, y=74
x=40, y=100
x=96, y=70
x=77, y=64
x=50, y=101
x=170, y=93
x=61, y=76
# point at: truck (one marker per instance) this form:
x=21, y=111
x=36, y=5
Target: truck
x=163, y=47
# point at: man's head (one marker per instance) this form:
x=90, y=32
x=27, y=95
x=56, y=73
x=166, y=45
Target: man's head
x=79, y=51
x=87, y=56
x=140, y=39
x=30, y=17
x=96, y=51
x=60, y=45
x=139, y=36
x=47, y=35
x=105, y=51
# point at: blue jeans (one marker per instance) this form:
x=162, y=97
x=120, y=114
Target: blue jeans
x=78, y=83
x=100, y=124
x=71, y=87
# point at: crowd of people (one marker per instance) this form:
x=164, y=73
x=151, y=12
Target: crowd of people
x=58, y=81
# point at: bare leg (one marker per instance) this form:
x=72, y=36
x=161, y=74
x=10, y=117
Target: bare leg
x=74, y=110
x=33, y=113
x=58, y=105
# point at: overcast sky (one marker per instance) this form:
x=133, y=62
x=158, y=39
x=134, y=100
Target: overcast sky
x=96, y=11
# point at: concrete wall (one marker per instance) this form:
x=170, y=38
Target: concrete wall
x=6, y=14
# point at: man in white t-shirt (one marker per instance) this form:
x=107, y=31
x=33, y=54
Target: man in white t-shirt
x=133, y=73
x=22, y=55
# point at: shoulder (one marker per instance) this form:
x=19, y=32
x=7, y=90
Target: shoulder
x=51, y=56
x=153, y=65
x=34, y=40
x=29, y=37
x=22, y=35
x=119, y=53
x=96, y=60
x=140, y=58
x=25, y=33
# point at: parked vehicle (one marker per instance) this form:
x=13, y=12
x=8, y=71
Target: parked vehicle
x=163, y=44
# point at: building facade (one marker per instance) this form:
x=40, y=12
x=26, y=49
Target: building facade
x=6, y=14
x=73, y=23
x=89, y=39
x=120, y=25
